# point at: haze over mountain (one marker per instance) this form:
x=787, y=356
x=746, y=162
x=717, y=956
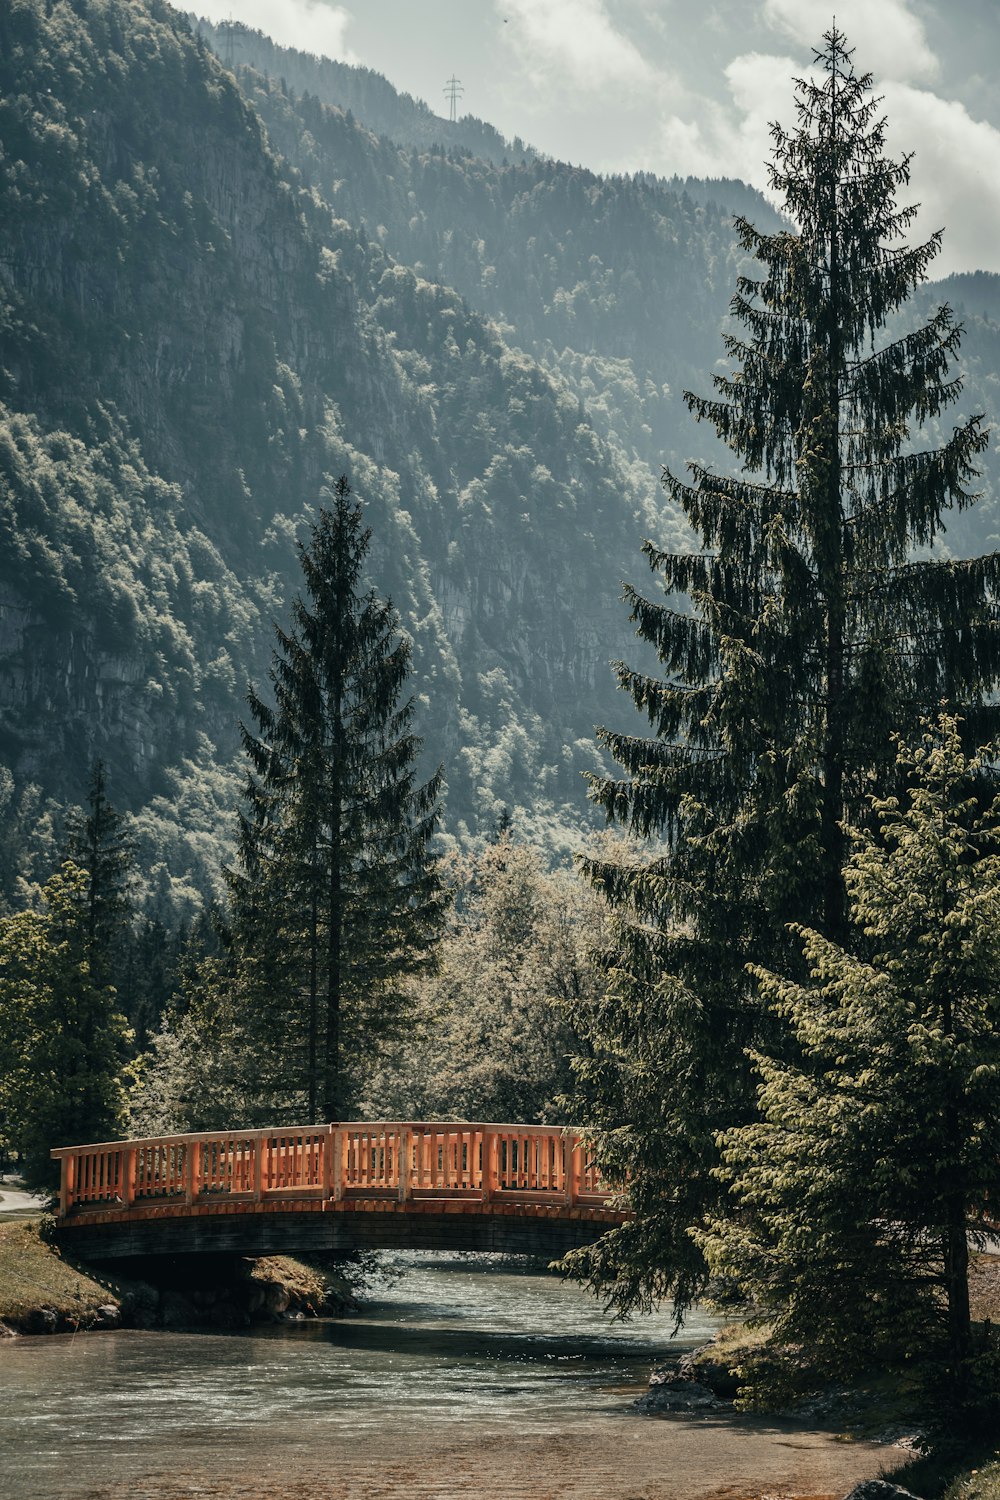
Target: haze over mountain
x=687, y=90
x=217, y=292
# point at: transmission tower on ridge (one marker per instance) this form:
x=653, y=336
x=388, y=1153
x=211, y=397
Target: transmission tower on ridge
x=453, y=91
x=230, y=31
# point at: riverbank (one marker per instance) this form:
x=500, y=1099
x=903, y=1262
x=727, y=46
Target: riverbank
x=44, y=1291
x=879, y=1408
x=458, y=1377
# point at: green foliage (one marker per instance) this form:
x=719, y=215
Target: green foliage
x=29, y=840
x=172, y=376
x=361, y=90
x=62, y=1042
x=336, y=897
x=199, y=1072
x=813, y=633
x=493, y=1039
x=877, y=1152
x=101, y=846
x=99, y=569
x=175, y=310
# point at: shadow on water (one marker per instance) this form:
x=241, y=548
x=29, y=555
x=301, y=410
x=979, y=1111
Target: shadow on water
x=423, y=1341
x=464, y=1378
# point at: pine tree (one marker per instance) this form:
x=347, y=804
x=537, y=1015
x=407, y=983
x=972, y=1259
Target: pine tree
x=101, y=844
x=62, y=1041
x=819, y=621
x=336, y=897
x=877, y=1151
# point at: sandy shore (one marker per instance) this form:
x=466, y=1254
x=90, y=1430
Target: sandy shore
x=672, y=1458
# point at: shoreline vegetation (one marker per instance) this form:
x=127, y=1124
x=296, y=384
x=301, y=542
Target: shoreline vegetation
x=876, y=1407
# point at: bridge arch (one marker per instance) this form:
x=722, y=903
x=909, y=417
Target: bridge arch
x=415, y=1184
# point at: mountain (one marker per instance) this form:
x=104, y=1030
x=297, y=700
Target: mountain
x=217, y=293
x=360, y=91
x=192, y=340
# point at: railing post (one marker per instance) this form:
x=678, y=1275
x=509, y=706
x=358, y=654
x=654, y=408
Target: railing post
x=490, y=1155
x=329, y=1160
x=403, y=1148
x=258, y=1166
x=574, y=1153
x=63, y=1187
x=192, y=1175
x=337, y=1165
x=128, y=1176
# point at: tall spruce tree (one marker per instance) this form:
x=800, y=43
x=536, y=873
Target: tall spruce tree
x=336, y=897
x=101, y=844
x=819, y=621
x=877, y=1150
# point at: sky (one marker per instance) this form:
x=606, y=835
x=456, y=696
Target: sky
x=688, y=87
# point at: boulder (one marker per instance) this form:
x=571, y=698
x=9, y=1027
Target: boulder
x=108, y=1316
x=177, y=1311
x=879, y=1489
x=226, y=1314
x=42, y=1320
x=706, y=1367
x=140, y=1305
x=276, y=1299
x=675, y=1392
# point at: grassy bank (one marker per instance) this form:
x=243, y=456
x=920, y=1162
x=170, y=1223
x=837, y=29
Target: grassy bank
x=881, y=1405
x=36, y=1275
x=43, y=1290
x=982, y=1483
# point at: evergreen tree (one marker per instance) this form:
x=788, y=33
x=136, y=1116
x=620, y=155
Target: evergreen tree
x=336, y=897
x=101, y=844
x=877, y=1153
x=62, y=1041
x=814, y=631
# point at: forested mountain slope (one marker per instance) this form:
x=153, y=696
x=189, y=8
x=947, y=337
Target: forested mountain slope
x=364, y=92
x=618, y=285
x=191, y=340
x=213, y=296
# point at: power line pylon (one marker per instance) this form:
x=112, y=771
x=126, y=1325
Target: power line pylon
x=228, y=27
x=453, y=91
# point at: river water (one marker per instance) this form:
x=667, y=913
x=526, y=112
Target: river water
x=461, y=1377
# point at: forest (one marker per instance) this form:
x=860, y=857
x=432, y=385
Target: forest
x=484, y=640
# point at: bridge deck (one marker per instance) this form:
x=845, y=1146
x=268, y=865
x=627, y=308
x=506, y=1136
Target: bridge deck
x=431, y=1185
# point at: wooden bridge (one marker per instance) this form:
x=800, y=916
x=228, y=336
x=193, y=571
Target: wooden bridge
x=513, y=1188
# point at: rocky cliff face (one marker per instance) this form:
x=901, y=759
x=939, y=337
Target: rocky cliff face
x=192, y=341
x=203, y=318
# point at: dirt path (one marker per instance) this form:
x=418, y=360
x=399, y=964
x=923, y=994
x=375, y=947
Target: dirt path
x=14, y=1200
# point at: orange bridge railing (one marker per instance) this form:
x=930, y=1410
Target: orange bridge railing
x=407, y=1162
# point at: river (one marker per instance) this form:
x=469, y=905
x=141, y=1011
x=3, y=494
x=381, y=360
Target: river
x=459, y=1378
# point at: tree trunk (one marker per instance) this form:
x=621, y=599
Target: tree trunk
x=313, y=1003
x=831, y=581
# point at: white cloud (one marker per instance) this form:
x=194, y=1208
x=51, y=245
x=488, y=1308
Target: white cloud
x=956, y=159
x=890, y=41
x=309, y=25
x=955, y=175
x=572, y=43
x=735, y=141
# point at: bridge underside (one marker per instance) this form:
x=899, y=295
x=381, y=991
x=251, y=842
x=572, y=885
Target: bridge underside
x=378, y=1224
